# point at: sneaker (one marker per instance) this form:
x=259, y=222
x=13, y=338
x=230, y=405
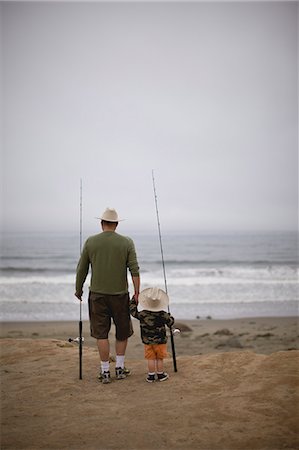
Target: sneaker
x=150, y=378
x=105, y=377
x=163, y=376
x=120, y=373
x=126, y=371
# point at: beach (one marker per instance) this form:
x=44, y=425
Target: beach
x=235, y=389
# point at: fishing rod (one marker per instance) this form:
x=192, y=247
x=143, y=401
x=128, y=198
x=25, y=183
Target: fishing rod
x=80, y=313
x=79, y=340
x=164, y=273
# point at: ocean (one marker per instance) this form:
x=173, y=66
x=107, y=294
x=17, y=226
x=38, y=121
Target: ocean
x=229, y=275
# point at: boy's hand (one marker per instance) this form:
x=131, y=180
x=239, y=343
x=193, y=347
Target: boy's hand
x=134, y=299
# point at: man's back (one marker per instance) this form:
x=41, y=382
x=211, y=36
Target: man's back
x=110, y=254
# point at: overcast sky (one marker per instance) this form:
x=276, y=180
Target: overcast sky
x=206, y=94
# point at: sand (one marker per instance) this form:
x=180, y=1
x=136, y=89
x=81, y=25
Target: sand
x=236, y=388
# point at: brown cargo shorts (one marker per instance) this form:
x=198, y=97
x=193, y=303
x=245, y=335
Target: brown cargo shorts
x=103, y=308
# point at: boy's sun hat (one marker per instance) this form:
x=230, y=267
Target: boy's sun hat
x=110, y=215
x=153, y=299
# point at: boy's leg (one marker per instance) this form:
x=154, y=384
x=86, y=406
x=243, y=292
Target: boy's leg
x=150, y=356
x=160, y=373
x=151, y=363
x=159, y=365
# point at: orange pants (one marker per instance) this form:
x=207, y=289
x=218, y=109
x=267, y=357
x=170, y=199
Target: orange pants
x=155, y=351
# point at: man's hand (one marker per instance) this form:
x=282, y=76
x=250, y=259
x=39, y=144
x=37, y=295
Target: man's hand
x=136, y=284
x=79, y=295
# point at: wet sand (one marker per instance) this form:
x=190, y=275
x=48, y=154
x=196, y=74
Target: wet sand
x=198, y=337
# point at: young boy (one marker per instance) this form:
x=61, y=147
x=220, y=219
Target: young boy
x=153, y=319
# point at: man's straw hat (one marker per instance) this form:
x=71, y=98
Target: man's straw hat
x=110, y=215
x=153, y=299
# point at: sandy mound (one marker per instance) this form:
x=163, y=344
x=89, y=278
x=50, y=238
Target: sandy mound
x=223, y=401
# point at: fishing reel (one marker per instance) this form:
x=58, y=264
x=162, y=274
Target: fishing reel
x=173, y=332
x=76, y=340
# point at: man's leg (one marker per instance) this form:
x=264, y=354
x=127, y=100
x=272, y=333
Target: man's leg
x=120, y=350
x=124, y=329
x=120, y=347
x=104, y=349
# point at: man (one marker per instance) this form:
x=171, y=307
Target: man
x=110, y=255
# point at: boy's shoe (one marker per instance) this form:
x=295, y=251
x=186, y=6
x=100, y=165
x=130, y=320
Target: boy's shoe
x=105, y=377
x=163, y=376
x=150, y=378
x=120, y=373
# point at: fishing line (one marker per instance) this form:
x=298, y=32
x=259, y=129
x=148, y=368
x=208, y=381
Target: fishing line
x=164, y=272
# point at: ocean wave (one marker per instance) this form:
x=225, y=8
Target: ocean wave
x=176, y=276
x=22, y=269
x=13, y=270
x=228, y=274
x=175, y=267
x=222, y=262
x=45, y=280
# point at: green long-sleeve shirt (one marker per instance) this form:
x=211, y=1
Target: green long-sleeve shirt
x=110, y=256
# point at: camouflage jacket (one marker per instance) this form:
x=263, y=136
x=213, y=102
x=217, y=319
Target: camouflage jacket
x=152, y=324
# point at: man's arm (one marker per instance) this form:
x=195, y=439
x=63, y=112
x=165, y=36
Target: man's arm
x=133, y=308
x=132, y=264
x=136, y=284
